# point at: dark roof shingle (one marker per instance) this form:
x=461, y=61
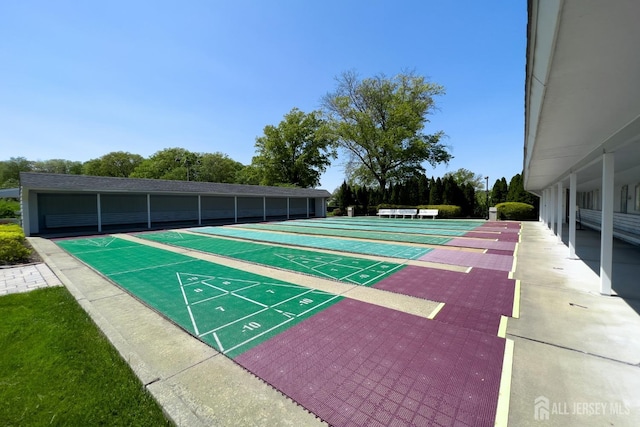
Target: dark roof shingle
x=63, y=182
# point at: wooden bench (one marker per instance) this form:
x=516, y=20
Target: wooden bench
x=433, y=213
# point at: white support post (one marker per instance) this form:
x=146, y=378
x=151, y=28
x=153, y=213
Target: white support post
x=560, y=217
x=552, y=209
x=99, y=213
x=235, y=209
x=546, y=207
x=606, y=233
x=199, y=210
x=541, y=209
x=573, y=182
x=148, y=210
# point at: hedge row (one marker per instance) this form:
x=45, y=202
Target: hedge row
x=12, y=244
x=516, y=211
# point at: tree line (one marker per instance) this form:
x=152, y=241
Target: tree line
x=461, y=188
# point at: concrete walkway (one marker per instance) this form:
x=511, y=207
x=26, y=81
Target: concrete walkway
x=576, y=359
x=577, y=353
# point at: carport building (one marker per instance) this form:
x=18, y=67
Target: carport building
x=78, y=204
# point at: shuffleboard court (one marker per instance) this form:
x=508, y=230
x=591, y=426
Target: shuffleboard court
x=377, y=227
x=372, y=366
x=409, y=222
x=341, y=245
x=231, y=310
x=415, y=226
x=345, y=231
x=359, y=271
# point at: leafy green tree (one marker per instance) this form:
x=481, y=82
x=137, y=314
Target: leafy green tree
x=345, y=196
x=463, y=176
x=379, y=122
x=10, y=171
x=436, y=192
x=362, y=195
x=61, y=166
x=117, y=164
x=249, y=175
x=170, y=163
x=499, y=191
x=517, y=192
x=470, y=199
x=217, y=167
x=295, y=152
x=423, y=190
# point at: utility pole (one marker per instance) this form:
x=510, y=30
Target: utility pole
x=487, y=188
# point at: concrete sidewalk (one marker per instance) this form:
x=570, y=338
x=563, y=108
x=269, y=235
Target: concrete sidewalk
x=577, y=353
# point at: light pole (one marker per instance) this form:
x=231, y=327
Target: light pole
x=487, y=188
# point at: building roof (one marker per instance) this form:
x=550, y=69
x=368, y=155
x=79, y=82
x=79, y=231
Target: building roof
x=85, y=183
x=582, y=96
x=13, y=193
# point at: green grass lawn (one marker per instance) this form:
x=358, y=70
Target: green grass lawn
x=56, y=368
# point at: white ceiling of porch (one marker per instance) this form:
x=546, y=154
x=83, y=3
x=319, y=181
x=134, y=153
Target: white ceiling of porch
x=583, y=89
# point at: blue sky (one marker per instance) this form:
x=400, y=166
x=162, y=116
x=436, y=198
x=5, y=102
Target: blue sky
x=81, y=79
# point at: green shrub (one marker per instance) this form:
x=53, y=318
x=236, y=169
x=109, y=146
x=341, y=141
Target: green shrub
x=12, y=244
x=516, y=211
x=337, y=212
x=9, y=208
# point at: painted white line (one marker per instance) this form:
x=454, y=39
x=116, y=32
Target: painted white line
x=259, y=335
x=195, y=327
x=293, y=297
x=321, y=304
x=210, y=298
x=235, y=321
x=248, y=299
x=151, y=267
x=215, y=336
x=186, y=301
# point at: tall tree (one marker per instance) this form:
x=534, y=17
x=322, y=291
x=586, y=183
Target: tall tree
x=379, y=122
x=517, y=192
x=170, y=163
x=436, y=191
x=499, y=191
x=344, y=196
x=296, y=152
x=217, y=167
x=10, y=171
x=61, y=166
x=117, y=163
x=463, y=176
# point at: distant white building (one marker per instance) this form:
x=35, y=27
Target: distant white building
x=57, y=204
x=582, y=119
